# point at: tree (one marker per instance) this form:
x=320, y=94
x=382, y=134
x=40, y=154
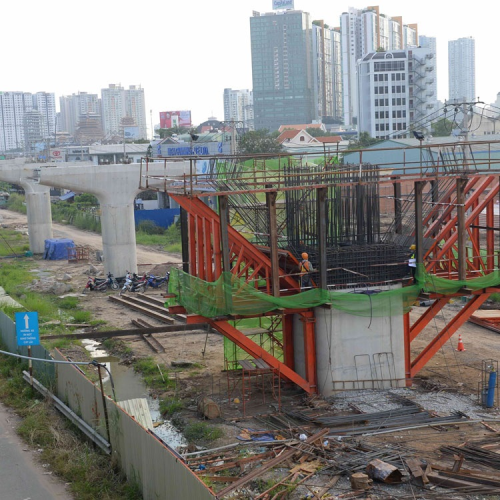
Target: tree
x=316, y=132
x=442, y=128
x=364, y=140
x=258, y=142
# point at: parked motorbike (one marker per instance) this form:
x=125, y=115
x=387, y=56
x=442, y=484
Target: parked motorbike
x=101, y=285
x=157, y=281
x=133, y=283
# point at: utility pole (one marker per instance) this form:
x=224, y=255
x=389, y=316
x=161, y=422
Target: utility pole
x=151, y=119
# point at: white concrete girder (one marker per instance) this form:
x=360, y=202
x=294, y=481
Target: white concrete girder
x=116, y=187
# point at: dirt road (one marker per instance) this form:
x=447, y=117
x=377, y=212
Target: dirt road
x=145, y=255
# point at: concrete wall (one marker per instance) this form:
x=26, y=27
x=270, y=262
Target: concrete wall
x=351, y=349
x=353, y=352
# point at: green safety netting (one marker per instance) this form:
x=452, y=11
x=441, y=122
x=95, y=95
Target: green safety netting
x=230, y=295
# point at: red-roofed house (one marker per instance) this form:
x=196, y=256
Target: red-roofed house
x=319, y=126
x=290, y=138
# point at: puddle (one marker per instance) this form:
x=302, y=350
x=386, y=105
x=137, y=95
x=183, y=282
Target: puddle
x=129, y=385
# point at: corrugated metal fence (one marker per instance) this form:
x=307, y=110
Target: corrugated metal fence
x=144, y=458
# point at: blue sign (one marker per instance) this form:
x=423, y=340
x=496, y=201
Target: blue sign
x=187, y=151
x=27, y=328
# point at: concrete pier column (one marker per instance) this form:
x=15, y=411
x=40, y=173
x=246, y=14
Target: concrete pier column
x=118, y=235
x=39, y=214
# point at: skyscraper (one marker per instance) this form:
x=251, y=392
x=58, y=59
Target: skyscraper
x=282, y=69
x=462, y=69
x=364, y=31
x=45, y=104
x=293, y=69
x=13, y=106
x=117, y=104
x=75, y=107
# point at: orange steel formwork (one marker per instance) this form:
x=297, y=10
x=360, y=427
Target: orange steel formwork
x=444, y=226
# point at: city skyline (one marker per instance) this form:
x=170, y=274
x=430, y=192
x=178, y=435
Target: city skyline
x=174, y=64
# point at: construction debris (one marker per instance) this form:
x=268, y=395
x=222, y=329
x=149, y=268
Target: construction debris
x=382, y=471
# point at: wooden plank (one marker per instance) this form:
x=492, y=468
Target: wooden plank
x=138, y=409
x=125, y=333
x=272, y=463
x=487, y=314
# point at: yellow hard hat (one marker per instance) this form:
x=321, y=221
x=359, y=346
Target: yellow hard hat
x=413, y=247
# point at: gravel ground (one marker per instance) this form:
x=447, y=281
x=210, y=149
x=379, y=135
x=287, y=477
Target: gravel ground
x=443, y=403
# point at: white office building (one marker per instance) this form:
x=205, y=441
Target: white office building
x=396, y=91
x=462, y=69
x=364, y=31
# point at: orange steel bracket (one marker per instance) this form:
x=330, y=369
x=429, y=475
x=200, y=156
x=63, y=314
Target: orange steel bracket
x=428, y=315
x=257, y=352
x=445, y=334
x=176, y=310
x=194, y=319
x=309, y=321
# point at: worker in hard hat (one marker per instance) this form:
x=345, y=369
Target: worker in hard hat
x=412, y=261
x=305, y=270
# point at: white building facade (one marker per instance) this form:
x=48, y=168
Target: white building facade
x=45, y=104
x=462, y=69
x=396, y=90
x=118, y=103
x=238, y=106
x=74, y=107
x=364, y=31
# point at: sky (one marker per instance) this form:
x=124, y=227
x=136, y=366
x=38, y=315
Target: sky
x=185, y=53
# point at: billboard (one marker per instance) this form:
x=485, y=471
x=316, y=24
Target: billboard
x=57, y=155
x=131, y=133
x=170, y=119
x=282, y=4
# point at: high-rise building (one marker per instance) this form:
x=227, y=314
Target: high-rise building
x=396, y=91
x=135, y=108
x=13, y=106
x=327, y=72
x=75, y=107
x=462, y=69
x=45, y=103
x=364, y=31
x=33, y=130
x=282, y=69
x=118, y=103
x=293, y=69
x=238, y=106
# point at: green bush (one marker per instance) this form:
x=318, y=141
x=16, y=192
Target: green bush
x=199, y=431
x=16, y=203
x=169, y=406
x=149, y=227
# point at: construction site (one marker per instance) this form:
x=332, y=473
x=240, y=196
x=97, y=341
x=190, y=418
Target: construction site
x=335, y=317
x=345, y=336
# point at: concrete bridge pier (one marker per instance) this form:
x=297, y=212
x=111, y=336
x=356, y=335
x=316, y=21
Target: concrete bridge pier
x=39, y=214
x=38, y=207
